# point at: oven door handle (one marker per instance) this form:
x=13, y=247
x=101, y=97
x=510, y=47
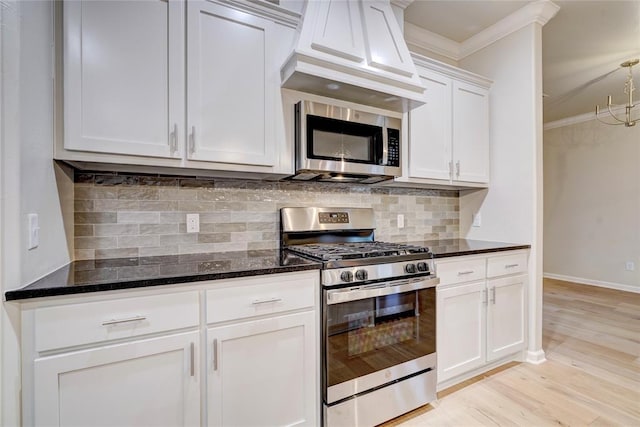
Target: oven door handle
x=338, y=296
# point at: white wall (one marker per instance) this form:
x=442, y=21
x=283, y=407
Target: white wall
x=30, y=181
x=511, y=208
x=592, y=204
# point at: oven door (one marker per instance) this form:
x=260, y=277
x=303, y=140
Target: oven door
x=377, y=334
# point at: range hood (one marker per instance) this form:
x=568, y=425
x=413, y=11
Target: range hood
x=354, y=51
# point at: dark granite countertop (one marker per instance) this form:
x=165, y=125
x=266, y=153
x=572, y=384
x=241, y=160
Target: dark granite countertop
x=460, y=247
x=127, y=273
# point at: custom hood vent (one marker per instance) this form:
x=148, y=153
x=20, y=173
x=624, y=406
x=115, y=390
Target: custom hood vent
x=354, y=51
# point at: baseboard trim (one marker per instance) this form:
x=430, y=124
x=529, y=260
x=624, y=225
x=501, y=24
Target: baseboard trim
x=536, y=357
x=600, y=283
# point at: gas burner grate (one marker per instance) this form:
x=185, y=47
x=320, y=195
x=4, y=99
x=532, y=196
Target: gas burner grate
x=344, y=251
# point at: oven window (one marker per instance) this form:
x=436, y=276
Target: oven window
x=338, y=140
x=368, y=335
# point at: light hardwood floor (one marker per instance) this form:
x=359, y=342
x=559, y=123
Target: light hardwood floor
x=591, y=337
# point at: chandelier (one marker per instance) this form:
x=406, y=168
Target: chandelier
x=628, y=89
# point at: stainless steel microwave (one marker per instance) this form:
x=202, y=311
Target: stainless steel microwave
x=345, y=145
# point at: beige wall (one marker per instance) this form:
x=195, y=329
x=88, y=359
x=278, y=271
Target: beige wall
x=592, y=204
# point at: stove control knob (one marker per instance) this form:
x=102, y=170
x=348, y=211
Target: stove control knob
x=346, y=276
x=361, y=275
x=410, y=268
x=422, y=266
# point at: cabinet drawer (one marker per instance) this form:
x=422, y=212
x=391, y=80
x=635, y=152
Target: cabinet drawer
x=255, y=297
x=85, y=323
x=460, y=271
x=506, y=264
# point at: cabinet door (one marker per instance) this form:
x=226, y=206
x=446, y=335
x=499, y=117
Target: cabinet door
x=505, y=316
x=461, y=319
x=146, y=382
x=470, y=133
x=264, y=372
x=430, y=130
x=231, y=95
x=123, y=77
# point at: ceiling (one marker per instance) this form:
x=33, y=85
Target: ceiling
x=582, y=46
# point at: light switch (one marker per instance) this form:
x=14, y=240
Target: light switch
x=34, y=231
x=400, y=221
x=477, y=219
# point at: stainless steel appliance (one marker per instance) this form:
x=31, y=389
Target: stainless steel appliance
x=378, y=315
x=345, y=145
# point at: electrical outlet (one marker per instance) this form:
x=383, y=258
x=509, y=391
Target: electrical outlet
x=400, y=221
x=629, y=266
x=193, y=223
x=34, y=231
x=477, y=220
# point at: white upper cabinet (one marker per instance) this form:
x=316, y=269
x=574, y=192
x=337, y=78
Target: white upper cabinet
x=430, y=131
x=448, y=141
x=231, y=88
x=176, y=84
x=470, y=132
x=123, y=79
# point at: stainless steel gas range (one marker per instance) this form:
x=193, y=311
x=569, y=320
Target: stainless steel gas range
x=378, y=315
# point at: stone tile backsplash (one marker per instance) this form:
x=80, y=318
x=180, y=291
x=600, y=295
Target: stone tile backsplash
x=122, y=215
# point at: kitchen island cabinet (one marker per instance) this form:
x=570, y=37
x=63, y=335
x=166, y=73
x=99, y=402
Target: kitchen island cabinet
x=204, y=96
x=481, y=313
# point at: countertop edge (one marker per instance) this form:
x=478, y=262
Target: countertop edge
x=18, y=295
x=481, y=251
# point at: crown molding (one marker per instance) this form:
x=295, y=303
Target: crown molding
x=580, y=118
x=403, y=4
x=426, y=39
x=537, y=12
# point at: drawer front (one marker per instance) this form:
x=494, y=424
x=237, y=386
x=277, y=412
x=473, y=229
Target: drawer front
x=92, y=322
x=267, y=295
x=460, y=271
x=507, y=264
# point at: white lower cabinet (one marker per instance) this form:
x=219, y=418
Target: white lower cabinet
x=479, y=320
x=150, y=382
x=139, y=357
x=461, y=325
x=505, y=316
x=260, y=372
x=262, y=357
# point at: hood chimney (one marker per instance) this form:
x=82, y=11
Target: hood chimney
x=353, y=50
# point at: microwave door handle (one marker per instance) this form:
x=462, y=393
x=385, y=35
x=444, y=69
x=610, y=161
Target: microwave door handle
x=385, y=146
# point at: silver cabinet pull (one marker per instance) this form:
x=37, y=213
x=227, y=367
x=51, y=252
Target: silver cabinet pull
x=458, y=168
x=173, y=145
x=215, y=354
x=493, y=295
x=193, y=359
x=192, y=140
x=464, y=273
x=127, y=320
x=484, y=296
x=266, y=301
x=511, y=265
